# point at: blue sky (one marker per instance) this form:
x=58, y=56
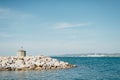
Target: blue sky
x=55, y=27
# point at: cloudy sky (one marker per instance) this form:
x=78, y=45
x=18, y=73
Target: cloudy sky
x=55, y=27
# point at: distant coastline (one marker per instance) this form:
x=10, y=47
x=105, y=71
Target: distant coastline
x=91, y=55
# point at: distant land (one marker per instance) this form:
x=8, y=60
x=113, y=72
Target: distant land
x=92, y=55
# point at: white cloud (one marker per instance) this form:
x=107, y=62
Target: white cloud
x=12, y=16
x=65, y=25
x=4, y=10
x=4, y=13
x=10, y=13
x=5, y=35
x=14, y=20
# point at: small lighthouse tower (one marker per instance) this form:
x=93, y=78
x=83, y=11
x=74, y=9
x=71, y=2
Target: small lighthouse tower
x=21, y=52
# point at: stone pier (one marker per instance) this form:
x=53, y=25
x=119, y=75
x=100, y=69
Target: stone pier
x=19, y=63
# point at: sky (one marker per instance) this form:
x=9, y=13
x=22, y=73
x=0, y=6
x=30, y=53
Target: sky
x=56, y=27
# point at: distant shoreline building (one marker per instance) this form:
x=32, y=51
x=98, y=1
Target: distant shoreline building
x=21, y=52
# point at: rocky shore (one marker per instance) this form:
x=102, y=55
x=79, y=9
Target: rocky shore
x=15, y=63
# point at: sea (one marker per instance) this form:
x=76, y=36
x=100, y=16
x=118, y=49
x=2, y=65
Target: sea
x=88, y=68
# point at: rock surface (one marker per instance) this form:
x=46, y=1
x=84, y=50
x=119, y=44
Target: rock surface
x=15, y=63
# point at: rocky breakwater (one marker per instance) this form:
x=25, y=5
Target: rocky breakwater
x=15, y=63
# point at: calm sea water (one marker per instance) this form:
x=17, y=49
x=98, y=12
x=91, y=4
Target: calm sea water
x=87, y=69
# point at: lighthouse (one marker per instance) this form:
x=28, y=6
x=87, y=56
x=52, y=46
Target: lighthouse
x=21, y=52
